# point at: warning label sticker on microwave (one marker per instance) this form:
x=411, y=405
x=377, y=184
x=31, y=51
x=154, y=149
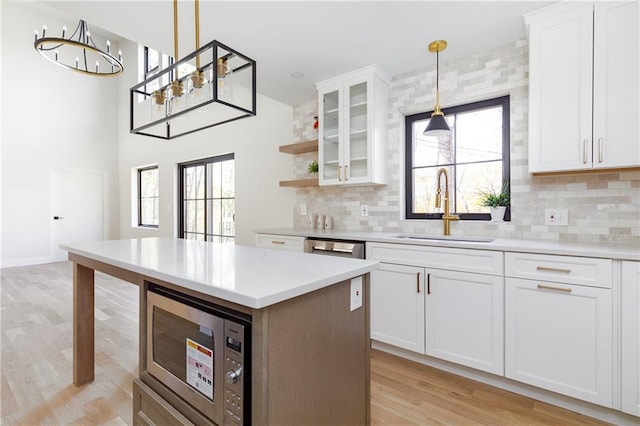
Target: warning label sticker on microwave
x=200, y=368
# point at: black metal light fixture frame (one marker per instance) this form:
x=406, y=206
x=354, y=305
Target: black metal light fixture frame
x=171, y=71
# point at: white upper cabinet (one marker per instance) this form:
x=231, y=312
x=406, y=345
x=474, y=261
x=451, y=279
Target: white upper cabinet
x=353, y=128
x=583, y=87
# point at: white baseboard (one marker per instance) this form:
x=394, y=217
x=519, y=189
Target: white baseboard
x=602, y=413
x=12, y=263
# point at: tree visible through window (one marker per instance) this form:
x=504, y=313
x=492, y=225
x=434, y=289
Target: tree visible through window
x=207, y=193
x=148, y=196
x=475, y=154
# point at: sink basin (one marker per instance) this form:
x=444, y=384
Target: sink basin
x=444, y=238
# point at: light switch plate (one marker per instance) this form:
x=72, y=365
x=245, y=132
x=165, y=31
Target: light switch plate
x=356, y=293
x=303, y=209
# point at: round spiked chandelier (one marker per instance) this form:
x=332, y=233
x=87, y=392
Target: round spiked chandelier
x=79, y=52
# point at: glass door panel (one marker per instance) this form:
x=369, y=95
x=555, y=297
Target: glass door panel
x=331, y=135
x=358, y=130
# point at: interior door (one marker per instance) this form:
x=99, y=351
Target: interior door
x=76, y=208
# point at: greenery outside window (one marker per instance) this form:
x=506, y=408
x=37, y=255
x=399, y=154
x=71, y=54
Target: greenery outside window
x=207, y=199
x=148, y=190
x=475, y=154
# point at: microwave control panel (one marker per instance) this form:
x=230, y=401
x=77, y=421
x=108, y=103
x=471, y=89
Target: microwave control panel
x=234, y=373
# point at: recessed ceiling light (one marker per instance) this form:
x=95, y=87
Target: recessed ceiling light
x=297, y=74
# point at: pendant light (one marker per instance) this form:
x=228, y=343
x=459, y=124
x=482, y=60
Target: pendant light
x=213, y=85
x=437, y=124
x=79, y=52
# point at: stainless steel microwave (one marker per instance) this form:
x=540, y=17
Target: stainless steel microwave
x=201, y=352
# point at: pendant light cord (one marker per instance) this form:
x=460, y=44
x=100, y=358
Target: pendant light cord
x=197, y=7
x=175, y=30
x=438, y=79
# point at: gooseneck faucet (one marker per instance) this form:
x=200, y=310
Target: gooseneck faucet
x=446, y=217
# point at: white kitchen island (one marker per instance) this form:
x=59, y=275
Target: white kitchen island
x=291, y=297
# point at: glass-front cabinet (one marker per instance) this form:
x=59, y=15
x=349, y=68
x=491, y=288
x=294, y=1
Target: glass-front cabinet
x=353, y=128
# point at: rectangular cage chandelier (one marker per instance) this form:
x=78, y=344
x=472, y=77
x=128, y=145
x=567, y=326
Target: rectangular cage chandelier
x=211, y=86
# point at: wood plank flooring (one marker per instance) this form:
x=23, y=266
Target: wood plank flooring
x=36, y=377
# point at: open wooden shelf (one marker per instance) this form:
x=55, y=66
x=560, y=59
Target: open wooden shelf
x=300, y=148
x=299, y=183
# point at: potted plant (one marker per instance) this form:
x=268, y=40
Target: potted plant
x=313, y=167
x=497, y=202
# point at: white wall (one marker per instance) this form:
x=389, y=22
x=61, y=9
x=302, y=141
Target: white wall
x=260, y=202
x=51, y=117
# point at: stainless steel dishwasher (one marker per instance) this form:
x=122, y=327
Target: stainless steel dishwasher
x=354, y=249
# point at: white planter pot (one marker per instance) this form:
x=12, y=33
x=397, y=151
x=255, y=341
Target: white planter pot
x=497, y=213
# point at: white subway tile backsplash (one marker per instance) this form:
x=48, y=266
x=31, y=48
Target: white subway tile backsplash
x=602, y=207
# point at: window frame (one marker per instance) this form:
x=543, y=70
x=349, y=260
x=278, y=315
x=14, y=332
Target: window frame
x=139, y=173
x=181, y=191
x=503, y=101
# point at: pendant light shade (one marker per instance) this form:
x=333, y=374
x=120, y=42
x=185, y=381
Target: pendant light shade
x=437, y=124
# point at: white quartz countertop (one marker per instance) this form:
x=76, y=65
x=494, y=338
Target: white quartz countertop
x=607, y=251
x=249, y=276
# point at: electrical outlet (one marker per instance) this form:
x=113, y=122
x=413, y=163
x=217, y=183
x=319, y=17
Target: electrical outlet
x=364, y=210
x=356, y=293
x=303, y=209
x=556, y=217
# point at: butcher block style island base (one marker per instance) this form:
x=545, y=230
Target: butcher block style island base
x=309, y=344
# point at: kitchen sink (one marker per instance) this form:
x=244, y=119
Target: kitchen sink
x=459, y=238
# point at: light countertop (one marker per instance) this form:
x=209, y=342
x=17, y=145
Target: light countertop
x=249, y=276
x=606, y=251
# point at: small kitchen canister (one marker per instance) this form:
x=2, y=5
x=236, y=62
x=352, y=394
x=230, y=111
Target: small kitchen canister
x=328, y=223
x=313, y=220
x=320, y=223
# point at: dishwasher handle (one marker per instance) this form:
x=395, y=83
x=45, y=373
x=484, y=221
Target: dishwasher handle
x=335, y=248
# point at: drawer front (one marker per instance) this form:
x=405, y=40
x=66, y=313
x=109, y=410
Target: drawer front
x=464, y=260
x=563, y=269
x=280, y=242
x=150, y=409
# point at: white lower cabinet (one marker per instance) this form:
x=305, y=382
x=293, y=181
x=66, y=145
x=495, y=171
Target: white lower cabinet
x=465, y=319
x=280, y=242
x=630, y=338
x=397, y=306
x=559, y=337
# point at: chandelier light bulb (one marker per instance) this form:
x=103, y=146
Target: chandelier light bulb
x=64, y=30
x=97, y=66
x=56, y=54
x=44, y=30
x=108, y=46
x=77, y=61
x=36, y=35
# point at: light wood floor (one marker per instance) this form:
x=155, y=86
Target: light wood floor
x=36, y=372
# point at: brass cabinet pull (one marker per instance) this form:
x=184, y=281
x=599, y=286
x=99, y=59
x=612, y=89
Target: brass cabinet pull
x=340, y=173
x=345, y=173
x=548, y=287
x=277, y=242
x=584, y=151
x=418, y=282
x=600, y=153
x=550, y=269
x=429, y=283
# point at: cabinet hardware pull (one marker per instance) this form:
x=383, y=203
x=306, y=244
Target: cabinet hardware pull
x=550, y=269
x=418, y=282
x=429, y=283
x=548, y=287
x=345, y=173
x=600, y=153
x=277, y=242
x=584, y=151
x=339, y=173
